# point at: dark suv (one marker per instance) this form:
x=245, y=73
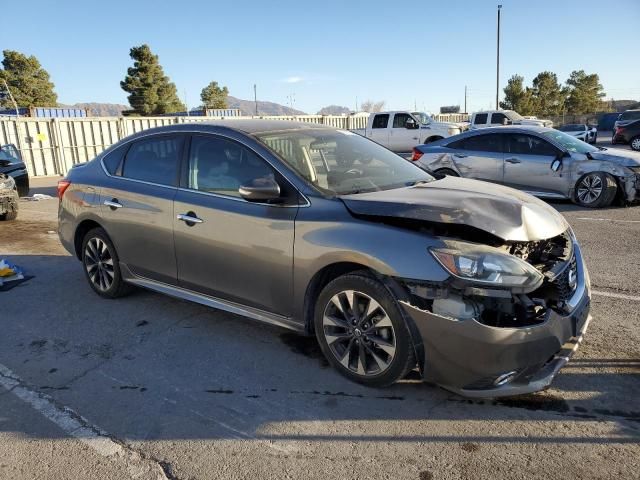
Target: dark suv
x=628, y=134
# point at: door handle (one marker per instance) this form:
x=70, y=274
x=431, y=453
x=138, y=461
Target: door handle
x=460, y=155
x=415, y=138
x=189, y=218
x=512, y=160
x=113, y=204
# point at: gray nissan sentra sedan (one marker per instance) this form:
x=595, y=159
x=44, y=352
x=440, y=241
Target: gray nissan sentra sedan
x=480, y=287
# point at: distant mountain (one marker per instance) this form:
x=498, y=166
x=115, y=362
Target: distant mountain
x=334, y=110
x=100, y=109
x=248, y=107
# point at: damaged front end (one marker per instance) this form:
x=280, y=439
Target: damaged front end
x=508, y=318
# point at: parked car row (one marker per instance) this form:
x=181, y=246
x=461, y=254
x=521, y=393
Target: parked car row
x=628, y=134
x=300, y=226
x=544, y=162
x=14, y=181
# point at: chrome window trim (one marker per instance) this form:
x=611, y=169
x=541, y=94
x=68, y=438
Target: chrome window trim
x=191, y=132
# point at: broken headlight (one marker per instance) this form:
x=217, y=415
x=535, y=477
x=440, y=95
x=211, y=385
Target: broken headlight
x=480, y=264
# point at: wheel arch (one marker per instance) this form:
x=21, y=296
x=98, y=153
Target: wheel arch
x=81, y=230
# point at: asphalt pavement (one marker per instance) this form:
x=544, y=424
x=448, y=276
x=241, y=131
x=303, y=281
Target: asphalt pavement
x=152, y=387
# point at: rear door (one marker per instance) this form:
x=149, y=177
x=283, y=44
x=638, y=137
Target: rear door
x=380, y=129
x=527, y=165
x=136, y=203
x=402, y=139
x=238, y=250
x=479, y=156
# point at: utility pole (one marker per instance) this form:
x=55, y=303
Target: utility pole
x=255, y=97
x=465, y=99
x=15, y=105
x=498, y=61
x=356, y=103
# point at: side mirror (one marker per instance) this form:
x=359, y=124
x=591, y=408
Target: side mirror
x=506, y=121
x=411, y=124
x=556, y=165
x=4, y=162
x=260, y=190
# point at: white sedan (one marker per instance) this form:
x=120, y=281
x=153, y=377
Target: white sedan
x=581, y=131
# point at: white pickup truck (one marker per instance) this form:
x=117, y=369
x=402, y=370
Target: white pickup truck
x=401, y=131
x=496, y=118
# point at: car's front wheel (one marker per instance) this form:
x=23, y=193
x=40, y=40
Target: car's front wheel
x=595, y=190
x=635, y=143
x=101, y=265
x=362, y=332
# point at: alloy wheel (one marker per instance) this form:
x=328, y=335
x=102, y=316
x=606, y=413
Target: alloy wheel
x=99, y=264
x=359, y=333
x=590, y=189
x=635, y=143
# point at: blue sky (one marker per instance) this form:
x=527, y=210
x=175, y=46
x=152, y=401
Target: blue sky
x=328, y=52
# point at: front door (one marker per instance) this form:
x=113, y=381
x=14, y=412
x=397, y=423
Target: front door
x=238, y=250
x=402, y=139
x=527, y=165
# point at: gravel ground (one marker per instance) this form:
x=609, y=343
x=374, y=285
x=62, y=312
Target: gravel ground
x=161, y=388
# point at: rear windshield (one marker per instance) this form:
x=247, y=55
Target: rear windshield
x=630, y=115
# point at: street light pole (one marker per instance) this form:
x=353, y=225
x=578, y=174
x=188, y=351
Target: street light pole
x=498, y=62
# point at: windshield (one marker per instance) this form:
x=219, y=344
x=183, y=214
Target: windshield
x=423, y=118
x=514, y=116
x=569, y=142
x=339, y=162
x=573, y=127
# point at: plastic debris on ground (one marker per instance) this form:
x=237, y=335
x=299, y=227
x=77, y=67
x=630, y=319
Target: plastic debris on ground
x=37, y=197
x=9, y=273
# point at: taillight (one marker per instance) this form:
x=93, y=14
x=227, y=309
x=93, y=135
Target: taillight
x=62, y=187
x=416, y=154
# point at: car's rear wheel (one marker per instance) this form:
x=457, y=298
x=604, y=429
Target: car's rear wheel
x=595, y=190
x=101, y=265
x=362, y=331
x=635, y=143
x=444, y=172
x=12, y=212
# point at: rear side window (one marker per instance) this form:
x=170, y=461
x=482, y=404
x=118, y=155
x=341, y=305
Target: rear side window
x=113, y=159
x=630, y=115
x=480, y=143
x=400, y=120
x=381, y=121
x=480, y=119
x=154, y=159
x=530, y=145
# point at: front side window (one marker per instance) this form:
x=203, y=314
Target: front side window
x=530, y=145
x=499, y=119
x=218, y=165
x=154, y=159
x=339, y=162
x=400, y=120
x=381, y=121
x=481, y=119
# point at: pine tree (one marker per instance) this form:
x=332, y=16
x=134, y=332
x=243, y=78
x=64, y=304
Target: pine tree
x=28, y=81
x=585, y=92
x=150, y=90
x=213, y=96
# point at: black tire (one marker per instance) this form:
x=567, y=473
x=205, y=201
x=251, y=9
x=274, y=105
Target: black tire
x=635, y=143
x=446, y=172
x=98, y=277
x=12, y=214
x=385, y=331
x=589, y=197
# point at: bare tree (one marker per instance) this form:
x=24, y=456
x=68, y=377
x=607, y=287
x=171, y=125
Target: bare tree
x=371, y=106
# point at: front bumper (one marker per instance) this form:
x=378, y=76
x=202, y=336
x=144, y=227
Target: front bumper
x=468, y=357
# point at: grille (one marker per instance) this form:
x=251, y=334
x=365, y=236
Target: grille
x=565, y=284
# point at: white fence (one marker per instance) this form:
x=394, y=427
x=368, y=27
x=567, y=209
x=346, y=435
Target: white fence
x=51, y=146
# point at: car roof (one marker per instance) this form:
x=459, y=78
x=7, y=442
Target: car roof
x=249, y=126
x=508, y=129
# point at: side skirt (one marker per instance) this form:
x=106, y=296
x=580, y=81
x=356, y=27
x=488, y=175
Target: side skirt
x=220, y=304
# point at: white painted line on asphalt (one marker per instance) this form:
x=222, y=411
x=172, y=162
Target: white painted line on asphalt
x=607, y=220
x=77, y=427
x=616, y=295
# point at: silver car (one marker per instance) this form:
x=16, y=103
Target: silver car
x=541, y=161
x=480, y=288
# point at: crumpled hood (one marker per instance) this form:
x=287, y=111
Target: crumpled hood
x=624, y=158
x=504, y=212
